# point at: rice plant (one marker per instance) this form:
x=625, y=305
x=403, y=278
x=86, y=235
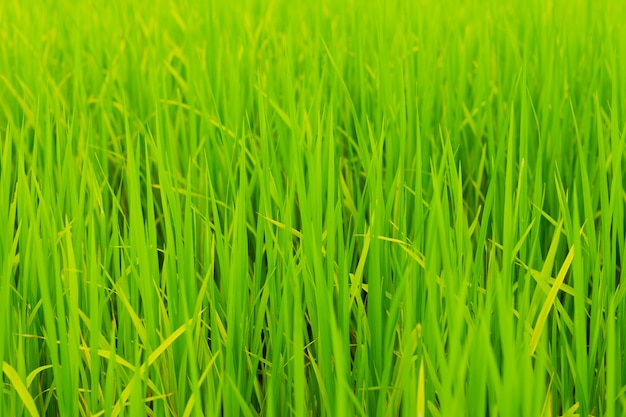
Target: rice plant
x=326, y=208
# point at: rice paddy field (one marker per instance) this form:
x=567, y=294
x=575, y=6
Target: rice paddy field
x=325, y=208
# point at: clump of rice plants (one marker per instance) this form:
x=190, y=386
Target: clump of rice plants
x=327, y=208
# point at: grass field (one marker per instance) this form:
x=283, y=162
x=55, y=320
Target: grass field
x=324, y=208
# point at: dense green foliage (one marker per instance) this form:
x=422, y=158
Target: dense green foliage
x=329, y=208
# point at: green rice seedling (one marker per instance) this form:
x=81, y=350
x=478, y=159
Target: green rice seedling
x=343, y=208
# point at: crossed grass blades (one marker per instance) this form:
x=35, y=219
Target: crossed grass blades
x=331, y=208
